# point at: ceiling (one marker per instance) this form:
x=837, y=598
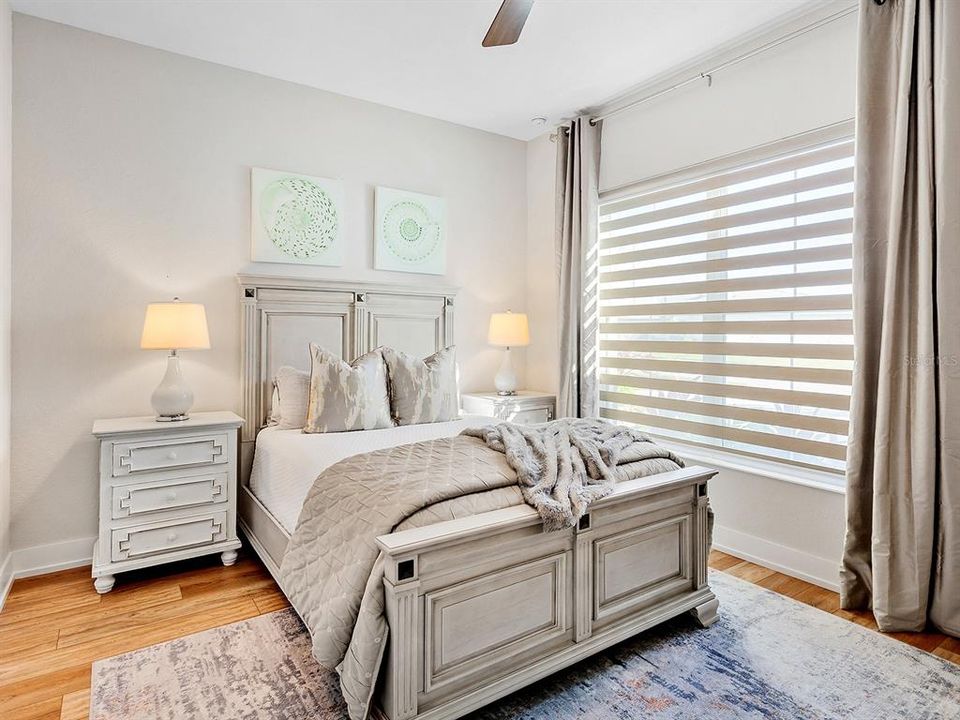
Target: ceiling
x=425, y=55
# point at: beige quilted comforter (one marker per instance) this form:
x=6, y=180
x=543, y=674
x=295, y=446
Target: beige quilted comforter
x=332, y=571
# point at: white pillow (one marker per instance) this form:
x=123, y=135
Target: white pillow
x=291, y=396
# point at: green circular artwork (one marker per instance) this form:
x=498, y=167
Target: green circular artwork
x=409, y=232
x=410, y=229
x=299, y=217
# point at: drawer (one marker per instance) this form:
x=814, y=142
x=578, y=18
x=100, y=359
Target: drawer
x=528, y=417
x=146, y=455
x=167, y=536
x=168, y=494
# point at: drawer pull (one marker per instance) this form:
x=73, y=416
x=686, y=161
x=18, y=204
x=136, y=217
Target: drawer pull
x=172, y=455
x=172, y=537
x=171, y=496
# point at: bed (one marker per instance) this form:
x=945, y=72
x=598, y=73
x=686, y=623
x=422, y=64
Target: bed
x=481, y=605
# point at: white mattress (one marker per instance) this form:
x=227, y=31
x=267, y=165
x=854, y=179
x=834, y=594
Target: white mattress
x=287, y=462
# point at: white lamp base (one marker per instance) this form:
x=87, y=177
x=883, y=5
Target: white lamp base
x=506, y=379
x=172, y=398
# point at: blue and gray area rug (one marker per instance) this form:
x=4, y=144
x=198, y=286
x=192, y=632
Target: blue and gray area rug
x=767, y=657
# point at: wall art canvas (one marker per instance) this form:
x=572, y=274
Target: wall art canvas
x=296, y=218
x=410, y=232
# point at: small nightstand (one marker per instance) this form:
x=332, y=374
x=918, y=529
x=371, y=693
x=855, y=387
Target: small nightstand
x=526, y=407
x=168, y=491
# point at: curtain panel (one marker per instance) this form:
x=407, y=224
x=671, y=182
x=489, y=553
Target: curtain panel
x=902, y=546
x=577, y=201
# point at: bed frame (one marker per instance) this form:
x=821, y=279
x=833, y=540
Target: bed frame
x=480, y=606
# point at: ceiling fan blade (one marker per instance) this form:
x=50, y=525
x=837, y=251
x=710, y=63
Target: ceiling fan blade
x=508, y=24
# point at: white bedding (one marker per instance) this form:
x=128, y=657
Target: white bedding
x=287, y=462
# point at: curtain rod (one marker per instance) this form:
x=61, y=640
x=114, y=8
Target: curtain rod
x=707, y=74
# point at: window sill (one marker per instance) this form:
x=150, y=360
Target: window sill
x=831, y=482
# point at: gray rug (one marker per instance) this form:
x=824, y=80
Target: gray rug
x=768, y=657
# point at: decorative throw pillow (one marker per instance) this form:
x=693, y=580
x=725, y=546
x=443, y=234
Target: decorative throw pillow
x=291, y=392
x=347, y=396
x=422, y=391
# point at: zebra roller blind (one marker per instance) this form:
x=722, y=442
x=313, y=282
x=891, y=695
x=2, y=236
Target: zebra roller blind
x=725, y=307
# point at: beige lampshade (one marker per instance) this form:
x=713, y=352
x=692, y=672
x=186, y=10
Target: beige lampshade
x=508, y=329
x=175, y=326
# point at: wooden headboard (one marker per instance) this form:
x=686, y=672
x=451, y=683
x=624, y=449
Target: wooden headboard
x=281, y=316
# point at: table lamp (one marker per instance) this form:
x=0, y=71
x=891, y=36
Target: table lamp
x=174, y=326
x=507, y=330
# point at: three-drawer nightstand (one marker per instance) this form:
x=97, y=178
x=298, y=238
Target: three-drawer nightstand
x=168, y=491
x=526, y=407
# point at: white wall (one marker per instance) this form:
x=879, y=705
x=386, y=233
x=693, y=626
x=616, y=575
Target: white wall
x=5, y=251
x=806, y=83
x=780, y=524
x=132, y=169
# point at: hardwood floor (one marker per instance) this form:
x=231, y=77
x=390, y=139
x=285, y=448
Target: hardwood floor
x=53, y=627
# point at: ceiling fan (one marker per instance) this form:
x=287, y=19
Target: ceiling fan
x=508, y=24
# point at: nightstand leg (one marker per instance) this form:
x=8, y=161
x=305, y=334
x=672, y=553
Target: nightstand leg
x=104, y=583
x=229, y=557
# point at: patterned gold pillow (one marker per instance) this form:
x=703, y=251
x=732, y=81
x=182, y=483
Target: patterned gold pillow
x=347, y=396
x=422, y=391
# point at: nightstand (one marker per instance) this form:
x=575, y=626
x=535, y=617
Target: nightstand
x=168, y=491
x=526, y=407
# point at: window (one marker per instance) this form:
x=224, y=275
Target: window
x=725, y=306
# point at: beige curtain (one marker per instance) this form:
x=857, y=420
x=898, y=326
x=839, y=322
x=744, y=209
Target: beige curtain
x=902, y=549
x=578, y=169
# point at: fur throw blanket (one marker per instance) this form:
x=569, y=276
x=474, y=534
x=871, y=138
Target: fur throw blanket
x=564, y=465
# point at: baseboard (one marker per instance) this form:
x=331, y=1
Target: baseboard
x=42, y=559
x=6, y=578
x=790, y=561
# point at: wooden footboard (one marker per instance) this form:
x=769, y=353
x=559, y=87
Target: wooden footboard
x=482, y=606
